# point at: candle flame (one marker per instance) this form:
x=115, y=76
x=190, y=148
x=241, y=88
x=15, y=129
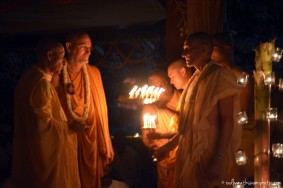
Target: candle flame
x=148, y=94
x=149, y=121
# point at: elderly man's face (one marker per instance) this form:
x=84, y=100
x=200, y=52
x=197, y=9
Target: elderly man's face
x=80, y=49
x=57, y=60
x=191, y=52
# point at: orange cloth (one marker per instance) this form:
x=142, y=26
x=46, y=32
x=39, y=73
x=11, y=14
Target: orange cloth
x=197, y=144
x=42, y=154
x=164, y=124
x=94, y=145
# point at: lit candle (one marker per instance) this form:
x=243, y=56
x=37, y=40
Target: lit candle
x=271, y=113
x=269, y=79
x=242, y=118
x=277, y=55
x=275, y=185
x=243, y=79
x=132, y=92
x=241, y=158
x=137, y=93
x=149, y=121
x=143, y=91
x=281, y=84
x=277, y=150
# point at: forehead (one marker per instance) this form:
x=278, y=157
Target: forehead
x=173, y=72
x=83, y=40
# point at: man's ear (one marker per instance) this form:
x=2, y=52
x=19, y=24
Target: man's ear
x=68, y=46
x=183, y=71
x=49, y=55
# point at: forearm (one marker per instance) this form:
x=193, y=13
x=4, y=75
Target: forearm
x=174, y=141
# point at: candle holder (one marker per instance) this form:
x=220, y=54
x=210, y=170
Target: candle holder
x=269, y=79
x=242, y=118
x=271, y=113
x=242, y=80
x=280, y=84
x=277, y=150
x=241, y=158
x=277, y=55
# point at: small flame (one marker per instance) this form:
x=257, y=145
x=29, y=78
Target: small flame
x=149, y=121
x=148, y=94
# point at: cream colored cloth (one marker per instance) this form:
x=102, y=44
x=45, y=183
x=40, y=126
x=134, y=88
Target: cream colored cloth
x=197, y=143
x=94, y=145
x=42, y=151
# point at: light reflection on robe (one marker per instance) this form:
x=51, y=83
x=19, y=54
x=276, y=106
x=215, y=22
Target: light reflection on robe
x=94, y=145
x=43, y=155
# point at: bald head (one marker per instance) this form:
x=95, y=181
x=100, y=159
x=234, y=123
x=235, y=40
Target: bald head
x=179, y=73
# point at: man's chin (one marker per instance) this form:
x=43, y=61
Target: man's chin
x=84, y=62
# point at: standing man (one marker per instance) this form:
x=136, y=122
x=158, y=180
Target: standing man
x=42, y=156
x=209, y=135
x=164, y=109
x=83, y=99
x=179, y=75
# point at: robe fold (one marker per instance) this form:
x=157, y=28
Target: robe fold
x=164, y=124
x=94, y=145
x=197, y=143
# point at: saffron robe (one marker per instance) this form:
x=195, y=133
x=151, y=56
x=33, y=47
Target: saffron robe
x=164, y=124
x=42, y=152
x=197, y=143
x=94, y=144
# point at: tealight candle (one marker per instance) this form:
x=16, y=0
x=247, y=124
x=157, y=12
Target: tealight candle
x=242, y=80
x=277, y=150
x=277, y=55
x=269, y=79
x=241, y=158
x=242, y=118
x=275, y=185
x=271, y=113
x=238, y=186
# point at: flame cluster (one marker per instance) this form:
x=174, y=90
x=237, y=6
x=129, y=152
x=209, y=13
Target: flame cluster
x=148, y=94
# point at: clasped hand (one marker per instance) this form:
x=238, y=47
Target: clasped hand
x=78, y=126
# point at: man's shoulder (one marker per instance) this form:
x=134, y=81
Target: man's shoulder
x=92, y=67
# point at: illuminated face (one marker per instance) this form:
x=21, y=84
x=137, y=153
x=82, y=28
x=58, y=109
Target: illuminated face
x=80, y=50
x=57, y=60
x=177, y=77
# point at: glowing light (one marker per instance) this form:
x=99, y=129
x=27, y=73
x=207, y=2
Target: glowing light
x=277, y=55
x=242, y=118
x=269, y=79
x=277, y=150
x=241, y=158
x=243, y=79
x=271, y=113
x=149, y=121
x=149, y=94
